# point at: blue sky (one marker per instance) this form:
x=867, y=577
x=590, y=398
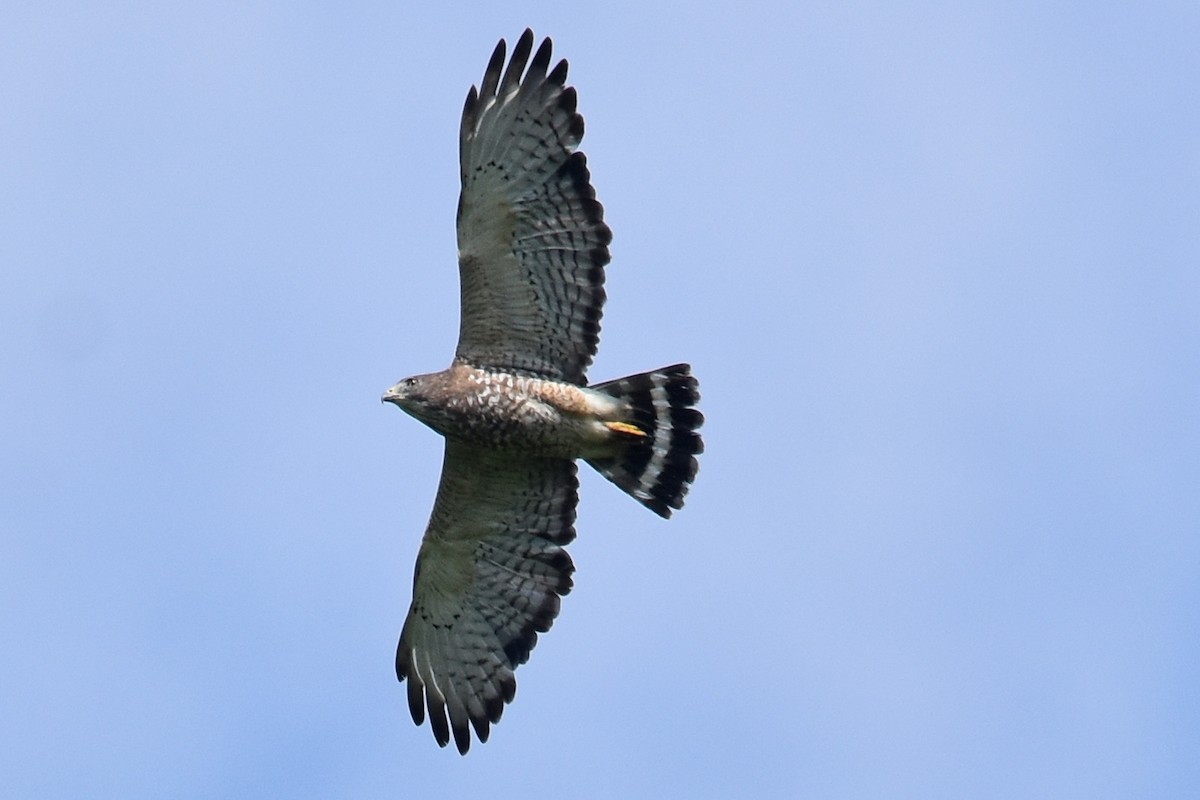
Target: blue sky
x=937, y=267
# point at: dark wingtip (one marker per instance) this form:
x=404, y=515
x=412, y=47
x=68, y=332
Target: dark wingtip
x=462, y=736
x=491, y=75
x=541, y=59
x=482, y=728
x=437, y=719
x=416, y=702
x=559, y=73
x=520, y=57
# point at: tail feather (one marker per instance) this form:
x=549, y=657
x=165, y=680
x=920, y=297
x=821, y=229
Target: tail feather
x=657, y=467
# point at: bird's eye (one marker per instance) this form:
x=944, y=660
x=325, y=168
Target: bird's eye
x=410, y=382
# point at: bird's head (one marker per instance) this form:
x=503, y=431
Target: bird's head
x=420, y=397
x=409, y=393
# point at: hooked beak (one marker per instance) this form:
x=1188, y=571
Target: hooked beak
x=391, y=396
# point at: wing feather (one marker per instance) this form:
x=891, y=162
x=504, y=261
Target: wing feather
x=489, y=578
x=491, y=76
x=516, y=65
x=532, y=242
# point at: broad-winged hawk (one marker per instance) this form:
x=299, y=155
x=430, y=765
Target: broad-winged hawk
x=514, y=406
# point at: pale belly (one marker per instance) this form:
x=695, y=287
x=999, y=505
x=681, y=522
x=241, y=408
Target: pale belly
x=530, y=416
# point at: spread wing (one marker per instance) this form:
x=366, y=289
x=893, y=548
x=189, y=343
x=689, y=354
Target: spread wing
x=489, y=577
x=532, y=243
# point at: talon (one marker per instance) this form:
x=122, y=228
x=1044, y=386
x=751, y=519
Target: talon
x=624, y=427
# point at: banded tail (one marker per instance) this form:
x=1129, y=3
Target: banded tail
x=657, y=468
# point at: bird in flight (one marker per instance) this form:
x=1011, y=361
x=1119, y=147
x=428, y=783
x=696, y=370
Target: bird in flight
x=515, y=406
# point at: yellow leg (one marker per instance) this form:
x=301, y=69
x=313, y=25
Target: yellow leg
x=624, y=427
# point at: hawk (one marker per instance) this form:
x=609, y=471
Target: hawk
x=515, y=407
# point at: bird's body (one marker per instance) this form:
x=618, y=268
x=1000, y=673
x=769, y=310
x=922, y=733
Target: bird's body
x=515, y=406
x=504, y=410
